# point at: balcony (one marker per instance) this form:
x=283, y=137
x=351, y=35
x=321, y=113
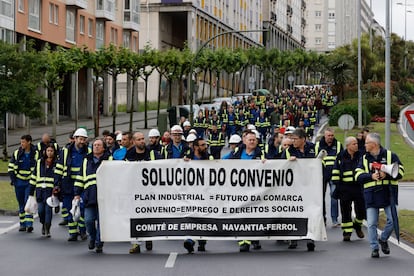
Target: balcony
x=131, y=21
x=273, y=16
x=303, y=22
x=289, y=11
x=77, y=4
x=105, y=9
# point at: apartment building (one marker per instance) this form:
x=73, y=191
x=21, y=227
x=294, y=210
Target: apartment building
x=7, y=20
x=68, y=23
x=285, y=20
x=333, y=23
x=172, y=23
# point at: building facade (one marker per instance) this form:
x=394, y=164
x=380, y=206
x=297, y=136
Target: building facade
x=285, y=20
x=333, y=23
x=72, y=23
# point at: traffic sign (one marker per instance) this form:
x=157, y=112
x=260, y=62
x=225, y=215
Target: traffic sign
x=409, y=114
x=346, y=122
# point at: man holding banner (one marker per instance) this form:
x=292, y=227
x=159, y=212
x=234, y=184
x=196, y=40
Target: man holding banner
x=85, y=185
x=300, y=149
x=139, y=153
x=248, y=151
x=379, y=171
x=199, y=152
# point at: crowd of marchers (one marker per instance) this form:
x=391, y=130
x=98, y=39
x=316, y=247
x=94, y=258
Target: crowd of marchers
x=63, y=179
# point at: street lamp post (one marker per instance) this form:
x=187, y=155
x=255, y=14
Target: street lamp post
x=191, y=115
x=405, y=30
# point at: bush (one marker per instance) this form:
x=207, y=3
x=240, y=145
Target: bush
x=374, y=106
x=377, y=108
x=347, y=107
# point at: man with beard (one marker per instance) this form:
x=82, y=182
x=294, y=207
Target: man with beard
x=139, y=153
x=199, y=152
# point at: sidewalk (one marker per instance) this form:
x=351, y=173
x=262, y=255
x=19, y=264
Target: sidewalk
x=65, y=127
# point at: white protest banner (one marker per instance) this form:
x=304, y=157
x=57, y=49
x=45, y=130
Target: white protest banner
x=220, y=199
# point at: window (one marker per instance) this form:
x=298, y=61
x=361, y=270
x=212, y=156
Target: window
x=6, y=35
x=70, y=25
x=82, y=24
x=318, y=13
x=34, y=15
x=53, y=13
x=114, y=35
x=126, y=40
x=318, y=27
x=6, y=8
x=99, y=34
x=90, y=27
x=331, y=15
x=20, y=5
x=318, y=41
x=132, y=11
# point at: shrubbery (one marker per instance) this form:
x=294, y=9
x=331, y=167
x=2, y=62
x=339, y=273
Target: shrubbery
x=346, y=107
x=375, y=109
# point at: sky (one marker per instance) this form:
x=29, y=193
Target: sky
x=397, y=19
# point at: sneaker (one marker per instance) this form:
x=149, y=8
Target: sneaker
x=99, y=249
x=189, y=245
x=293, y=244
x=347, y=236
x=384, y=247
x=148, y=245
x=84, y=236
x=360, y=234
x=22, y=229
x=63, y=223
x=245, y=247
x=135, y=249
x=73, y=238
x=375, y=253
x=30, y=229
x=311, y=246
x=336, y=224
x=91, y=245
x=256, y=245
x=201, y=247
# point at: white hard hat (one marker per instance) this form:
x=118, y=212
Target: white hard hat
x=119, y=137
x=257, y=133
x=251, y=127
x=193, y=131
x=190, y=138
x=154, y=133
x=81, y=132
x=186, y=123
x=289, y=130
x=52, y=201
x=176, y=129
x=234, y=139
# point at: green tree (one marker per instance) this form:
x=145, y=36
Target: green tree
x=57, y=64
x=19, y=79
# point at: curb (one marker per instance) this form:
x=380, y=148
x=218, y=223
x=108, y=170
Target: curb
x=8, y=213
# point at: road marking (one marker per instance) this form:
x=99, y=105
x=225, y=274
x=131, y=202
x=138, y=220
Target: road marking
x=6, y=221
x=171, y=260
x=8, y=229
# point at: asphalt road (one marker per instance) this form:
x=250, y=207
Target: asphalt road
x=31, y=254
